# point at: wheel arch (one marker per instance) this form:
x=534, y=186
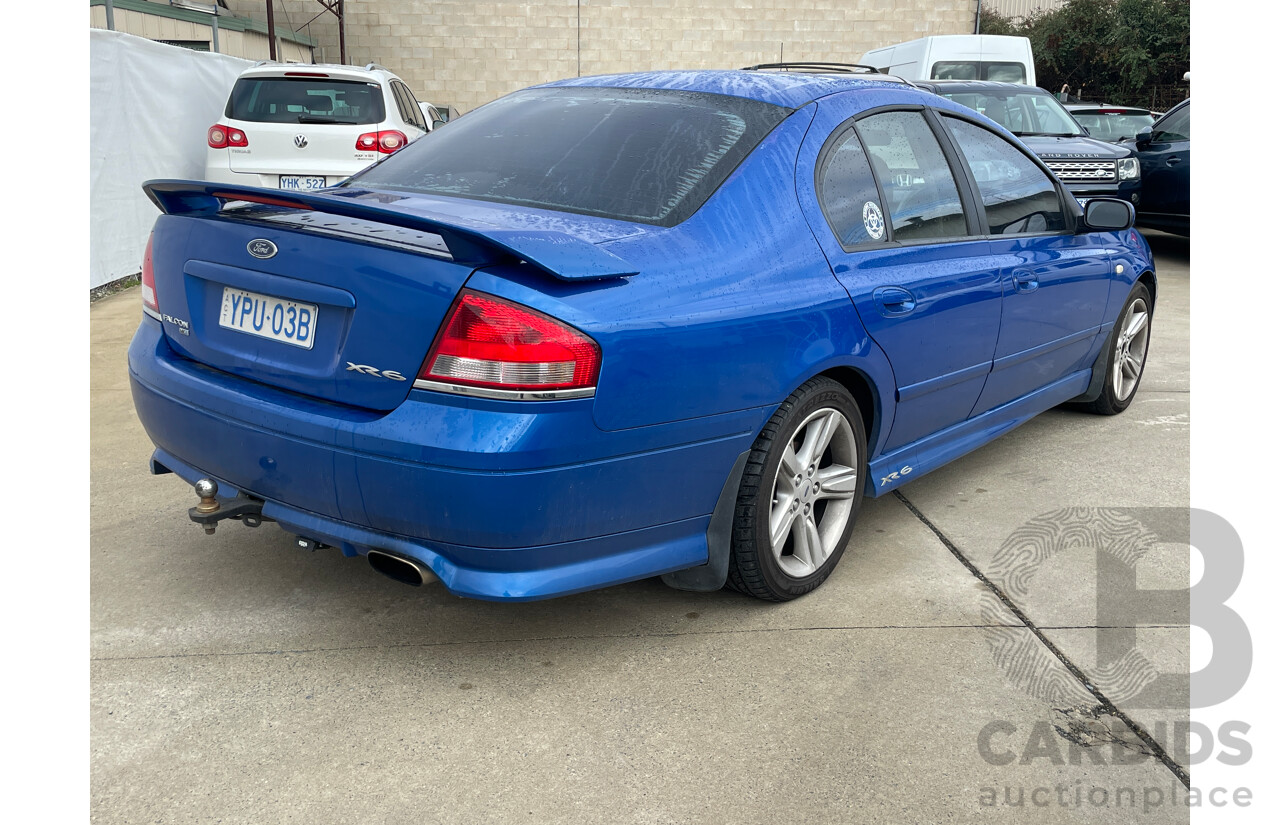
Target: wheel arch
x=862, y=389
x=1148, y=279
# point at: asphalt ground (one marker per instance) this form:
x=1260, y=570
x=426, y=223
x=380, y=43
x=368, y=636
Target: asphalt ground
x=943, y=673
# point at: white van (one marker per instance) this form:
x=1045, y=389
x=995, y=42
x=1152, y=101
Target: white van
x=958, y=57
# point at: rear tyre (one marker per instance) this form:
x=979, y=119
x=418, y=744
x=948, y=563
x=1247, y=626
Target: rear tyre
x=800, y=494
x=1127, y=358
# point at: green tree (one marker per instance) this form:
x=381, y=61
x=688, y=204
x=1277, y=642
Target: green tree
x=1108, y=50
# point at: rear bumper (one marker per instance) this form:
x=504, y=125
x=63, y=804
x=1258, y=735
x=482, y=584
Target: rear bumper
x=502, y=500
x=224, y=175
x=566, y=568
x=218, y=169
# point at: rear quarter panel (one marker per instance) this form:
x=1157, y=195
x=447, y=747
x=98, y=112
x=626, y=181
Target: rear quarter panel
x=731, y=310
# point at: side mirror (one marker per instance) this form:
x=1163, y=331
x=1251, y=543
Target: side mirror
x=1143, y=138
x=1108, y=214
x=436, y=123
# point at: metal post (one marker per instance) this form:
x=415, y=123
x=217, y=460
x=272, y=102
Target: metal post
x=342, y=33
x=214, y=24
x=977, y=19
x=111, y=15
x=271, y=28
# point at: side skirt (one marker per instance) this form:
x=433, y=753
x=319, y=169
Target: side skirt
x=890, y=471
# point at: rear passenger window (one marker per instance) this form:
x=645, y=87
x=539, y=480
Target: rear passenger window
x=412, y=112
x=402, y=105
x=848, y=195
x=921, y=193
x=1019, y=198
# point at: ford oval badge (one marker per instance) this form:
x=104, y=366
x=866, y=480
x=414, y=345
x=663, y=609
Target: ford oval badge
x=262, y=248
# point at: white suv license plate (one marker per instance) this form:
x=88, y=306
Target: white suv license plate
x=267, y=317
x=300, y=182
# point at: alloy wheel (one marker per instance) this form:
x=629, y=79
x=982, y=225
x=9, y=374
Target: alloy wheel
x=813, y=493
x=1131, y=350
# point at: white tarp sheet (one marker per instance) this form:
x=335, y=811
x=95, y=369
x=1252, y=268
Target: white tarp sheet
x=150, y=107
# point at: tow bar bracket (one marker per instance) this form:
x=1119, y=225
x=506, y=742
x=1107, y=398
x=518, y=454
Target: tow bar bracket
x=210, y=510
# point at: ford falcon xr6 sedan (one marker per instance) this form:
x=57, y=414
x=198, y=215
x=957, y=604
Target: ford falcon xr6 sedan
x=673, y=324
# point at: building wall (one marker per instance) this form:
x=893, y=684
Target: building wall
x=466, y=53
x=249, y=45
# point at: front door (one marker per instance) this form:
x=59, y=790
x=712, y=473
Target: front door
x=1166, y=165
x=1055, y=282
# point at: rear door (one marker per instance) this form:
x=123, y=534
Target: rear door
x=902, y=240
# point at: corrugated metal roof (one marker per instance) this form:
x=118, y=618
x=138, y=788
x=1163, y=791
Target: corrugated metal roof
x=1021, y=8
x=228, y=22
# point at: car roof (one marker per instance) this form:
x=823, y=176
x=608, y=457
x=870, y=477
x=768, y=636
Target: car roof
x=792, y=89
x=978, y=86
x=273, y=69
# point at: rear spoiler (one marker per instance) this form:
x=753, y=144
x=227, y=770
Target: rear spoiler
x=470, y=242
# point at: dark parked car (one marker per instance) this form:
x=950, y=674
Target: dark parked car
x=1090, y=168
x=1111, y=123
x=1165, y=154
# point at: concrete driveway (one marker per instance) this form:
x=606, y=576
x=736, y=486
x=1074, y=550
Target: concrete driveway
x=236, y=678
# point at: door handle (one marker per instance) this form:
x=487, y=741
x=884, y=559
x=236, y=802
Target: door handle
x=893, y=301
x=1173, y=161
x=1025, y=281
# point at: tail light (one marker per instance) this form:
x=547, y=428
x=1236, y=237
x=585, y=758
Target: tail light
x=386, y=141
x=149, y=303
x=220, y=137
x=505, y=350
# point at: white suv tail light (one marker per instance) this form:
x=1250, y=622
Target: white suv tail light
x=220, y=137
x=385, y=141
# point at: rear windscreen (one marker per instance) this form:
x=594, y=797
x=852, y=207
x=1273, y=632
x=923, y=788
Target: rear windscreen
x=1113, y=127
x=979, y=70
x=646, y=155
x=305, y=100
x=1025, y=113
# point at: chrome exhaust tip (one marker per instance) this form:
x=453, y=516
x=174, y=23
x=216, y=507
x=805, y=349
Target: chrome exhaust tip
x=403, y=570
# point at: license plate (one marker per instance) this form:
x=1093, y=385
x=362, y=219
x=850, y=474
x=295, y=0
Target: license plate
x=300, y=182
x=268, y=317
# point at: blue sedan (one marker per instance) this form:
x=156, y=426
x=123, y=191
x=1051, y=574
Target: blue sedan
x=670, y=324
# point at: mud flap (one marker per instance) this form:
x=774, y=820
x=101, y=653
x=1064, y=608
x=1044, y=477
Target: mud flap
x=1094, y=392
x=709, y=577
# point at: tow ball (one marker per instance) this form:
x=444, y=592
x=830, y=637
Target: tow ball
x=210, y=511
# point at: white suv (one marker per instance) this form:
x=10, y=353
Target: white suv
x=307, y=126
